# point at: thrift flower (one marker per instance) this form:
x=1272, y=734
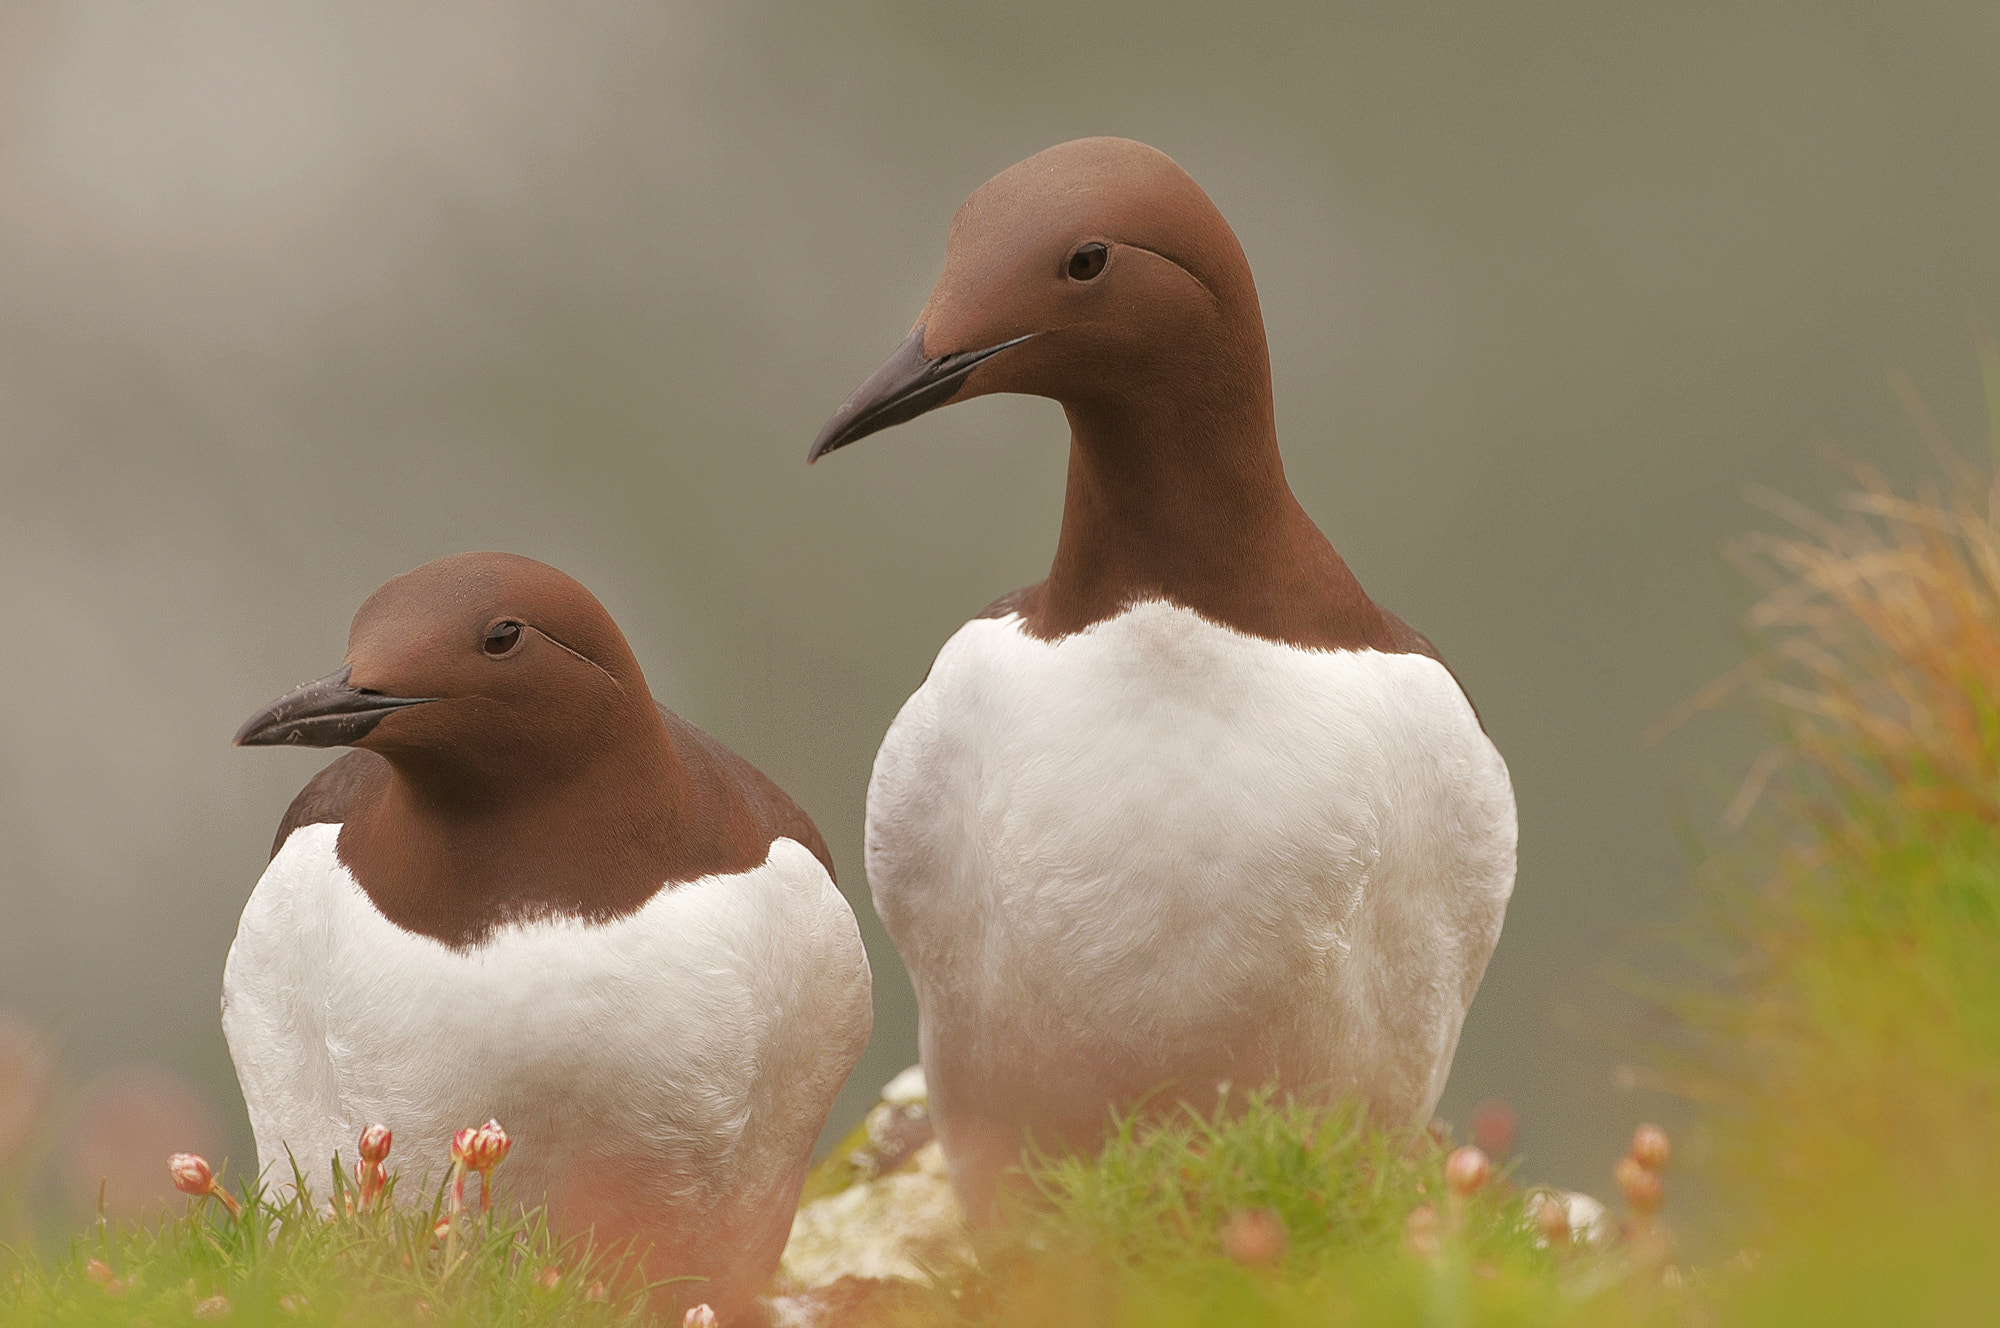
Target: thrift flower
x=1641, y=1185
x=375, y=1144
x=370, y=1175
x=1254, y=1237
x=1465, y=1171
x=1420, y=1232
x=1650, y=1148
x=1552, y=1220
x=482, y=1150
x=99, y=1272
x=191, y=1175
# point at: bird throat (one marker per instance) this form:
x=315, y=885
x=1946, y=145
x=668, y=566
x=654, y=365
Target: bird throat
x=595, y=847
x=1181, y=502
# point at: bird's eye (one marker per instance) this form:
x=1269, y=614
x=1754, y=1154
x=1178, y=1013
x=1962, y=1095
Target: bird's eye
x=501, y=637
x=1087, y=261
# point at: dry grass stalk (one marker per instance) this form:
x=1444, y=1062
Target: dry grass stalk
x=1880, y=635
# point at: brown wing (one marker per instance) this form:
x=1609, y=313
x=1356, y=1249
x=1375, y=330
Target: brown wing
x=328, y=794
x=763, y=803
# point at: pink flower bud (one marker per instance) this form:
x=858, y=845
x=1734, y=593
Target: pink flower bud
x=1466, y=1170
x=375, y=1144
x=1493, y=1126
x=1552, y=1220
x=488, y=1147
x=479, y=1150
x=1641, y=1184
x=292, y=1304
x=1420, y=1232
x=191, y=1174
x=215, y=1307
x=99, y=1272
x=551, y=1278
x=1254, y=1237
x=1650, y=1148
x=701, y=1316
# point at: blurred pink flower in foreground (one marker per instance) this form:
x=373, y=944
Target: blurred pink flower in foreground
x=1493, y=1126
x=1420, y=1232
x=701, y=1316
x=1638, y=1172
x=26, y=1069
x=1254, y=1237
x=1650, y=1148
x=100, y=1272
x=112, y=1144
x=1465, y=1171
x=1552, y=1221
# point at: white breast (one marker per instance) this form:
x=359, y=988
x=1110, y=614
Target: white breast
x=679, y=1059
x=1160, y=849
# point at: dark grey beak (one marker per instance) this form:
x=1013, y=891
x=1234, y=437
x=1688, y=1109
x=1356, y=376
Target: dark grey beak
x=327, y=713
x=904, y=387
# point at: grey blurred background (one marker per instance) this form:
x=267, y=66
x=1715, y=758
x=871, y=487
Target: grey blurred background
x=294, y=298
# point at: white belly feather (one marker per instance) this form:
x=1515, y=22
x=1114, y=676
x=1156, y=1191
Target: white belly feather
x=679, y=1060
x=1161, y=849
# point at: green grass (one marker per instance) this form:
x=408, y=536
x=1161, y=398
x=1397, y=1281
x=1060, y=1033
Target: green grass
x=284, y=1261
x=1142, y=1235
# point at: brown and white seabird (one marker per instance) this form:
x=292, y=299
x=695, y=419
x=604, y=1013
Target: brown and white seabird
x=1194, y=810
x=533, y=894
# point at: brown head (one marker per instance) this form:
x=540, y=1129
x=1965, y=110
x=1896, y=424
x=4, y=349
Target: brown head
x=1096, y=273
x=479, y=676
x=523, y=767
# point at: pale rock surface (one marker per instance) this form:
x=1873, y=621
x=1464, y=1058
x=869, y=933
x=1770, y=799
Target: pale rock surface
x=892, y=1219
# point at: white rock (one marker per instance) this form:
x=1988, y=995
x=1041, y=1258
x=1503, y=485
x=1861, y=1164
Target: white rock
x=892, y=1226
x=906, y=1088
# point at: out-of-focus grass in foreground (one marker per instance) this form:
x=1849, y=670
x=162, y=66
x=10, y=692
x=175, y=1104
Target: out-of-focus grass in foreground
x=1854, y=1048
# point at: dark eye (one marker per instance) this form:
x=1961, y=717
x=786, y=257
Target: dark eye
x=1087, y=261
x=501, y=637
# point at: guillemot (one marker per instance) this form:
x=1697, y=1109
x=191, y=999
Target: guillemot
x=533, y=894
x=1193, y=810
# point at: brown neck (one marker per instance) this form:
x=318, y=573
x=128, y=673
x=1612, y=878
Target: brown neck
x=1174, y=496
x=447, y=855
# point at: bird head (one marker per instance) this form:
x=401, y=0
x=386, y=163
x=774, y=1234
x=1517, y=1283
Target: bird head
x=1091, y=273
x=479, y=666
